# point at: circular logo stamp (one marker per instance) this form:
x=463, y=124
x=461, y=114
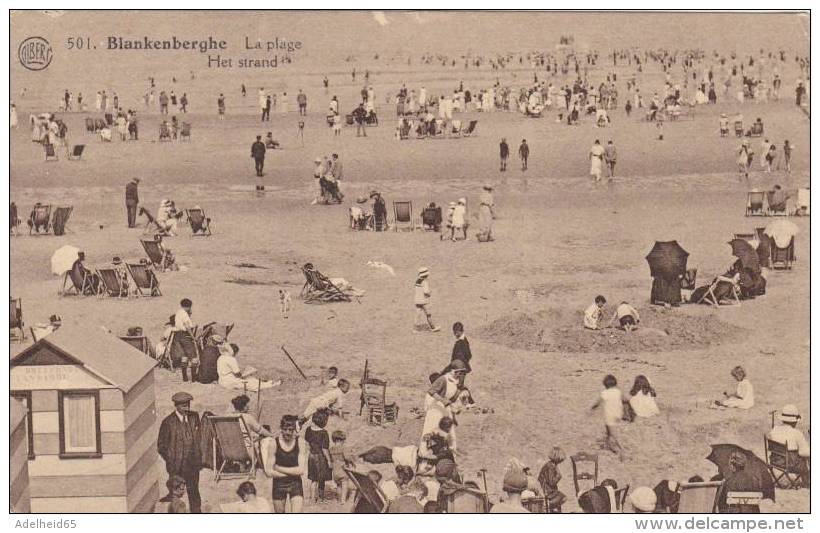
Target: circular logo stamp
x=35, y=53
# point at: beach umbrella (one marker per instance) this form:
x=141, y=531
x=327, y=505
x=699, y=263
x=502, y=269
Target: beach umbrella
x=721, y=454
x=63, y=259
x=782, y=231
x=667, y=260
x=746, y=253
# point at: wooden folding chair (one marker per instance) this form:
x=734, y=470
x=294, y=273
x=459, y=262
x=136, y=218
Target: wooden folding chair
x=144, y=279
x=156, y=253
x=579, y=474
x=59, y=219
x=89, y=125
x=367, y=489
x=783, y=465
x=76, y=152
x=200, y=224
x=40, y=218
x=775, y=210
x=782, y=258
x=185, y=132
x=233, y=447
x=403, y=216
x=467, y=501
x=374, y=398
x=470, y=129
x=112, y=282
x=754, y=203
x=319, y=289
x=699, y=497
x=16, y=318
x=712, y=298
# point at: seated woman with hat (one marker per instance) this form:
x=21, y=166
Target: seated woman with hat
x=232, y=377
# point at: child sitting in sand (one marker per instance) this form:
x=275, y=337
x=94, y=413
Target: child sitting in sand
x=627, y=316
x=613, y=406
x=743, y=397
x=593, y=313
x=642, y=399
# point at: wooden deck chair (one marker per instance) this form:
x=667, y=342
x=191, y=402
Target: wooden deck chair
x=782, y=258
x=470, y=129
x=215, y=328
x=374, y=398
x=403, y=216
x=714, y=297
x=699, y=497
x=50, y=152
x=775, y=210
x=754, y=203
x=620, y=498
x=738, y=124
x=319, y=289
x=40, y=218
x=156, y=253
x=580, y=474
x=783, y=465
x=16, y=319
x=367, y=489
x=145, y=281
x=76, y=152
x=467, y=501
x=89, y=125
x=185, y=132
x=99, y=124
x=112, y=282
x=802, y=205
x=164, y=132
x=77, y=283
x=200, y=224
x=60, y=218
x=233, y=449
x=140, y=342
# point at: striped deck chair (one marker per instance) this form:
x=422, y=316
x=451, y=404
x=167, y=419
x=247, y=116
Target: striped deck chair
x=145, y=281
x=235, y=455
x=40, y=218
x=113, y=283
x=200, y=224
x=403, y=216
x=367, y=489
x=318, y=288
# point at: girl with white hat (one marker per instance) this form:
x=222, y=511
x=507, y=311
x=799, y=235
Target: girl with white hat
x=422, y=300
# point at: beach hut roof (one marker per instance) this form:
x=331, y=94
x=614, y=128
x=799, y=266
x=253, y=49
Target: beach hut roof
x=102, y=354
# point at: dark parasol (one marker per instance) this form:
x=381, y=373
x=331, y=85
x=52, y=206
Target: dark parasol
x=746, y=253
x=667, y=260
x=721, y=454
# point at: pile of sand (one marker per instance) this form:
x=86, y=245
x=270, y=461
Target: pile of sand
x=661, y=330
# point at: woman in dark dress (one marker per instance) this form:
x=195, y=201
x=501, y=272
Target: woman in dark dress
x=666, y=291
x=319, y=470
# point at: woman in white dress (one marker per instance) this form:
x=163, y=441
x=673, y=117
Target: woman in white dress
x=596, y=157
x=443, y=392
x=642, y=398
x=232, y=377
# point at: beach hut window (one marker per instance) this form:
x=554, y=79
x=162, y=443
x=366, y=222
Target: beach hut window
x=80, y=424
x=25, y=397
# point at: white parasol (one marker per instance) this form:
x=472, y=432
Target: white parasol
x=63, y=259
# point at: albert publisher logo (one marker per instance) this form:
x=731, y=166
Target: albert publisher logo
x=35, y=53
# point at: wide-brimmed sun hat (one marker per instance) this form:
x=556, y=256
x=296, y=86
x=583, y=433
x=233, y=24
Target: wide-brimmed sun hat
x=789, y=413
x=424, y=272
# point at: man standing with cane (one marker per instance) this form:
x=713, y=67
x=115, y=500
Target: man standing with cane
x=132, y=199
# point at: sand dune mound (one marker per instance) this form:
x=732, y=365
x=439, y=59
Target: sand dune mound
x=559, y=331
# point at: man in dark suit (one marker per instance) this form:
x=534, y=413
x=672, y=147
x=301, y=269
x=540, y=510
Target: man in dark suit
x=258, y=154
x=178, y=445
x=132, y=199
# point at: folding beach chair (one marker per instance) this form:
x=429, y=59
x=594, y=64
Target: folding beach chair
x=156, y=253
x=775, y=210
x=145, y=281
x=579, y=474
x=50, y=152
x=455, y=131
x=318, y=288
x=140, y=342
x=699, y=497
x=374, y=398
x=754, y=203
x=802, y=205
x=470, y=129
x=620, y=498
x=720, y=289
x=367, y=489
x=784, y=465
x=14, y=220
x=200, y=224
x=113, y=284
x=215, y=328
x=756, y=130
x=467, y=501
x=60, y=218
x=81, y=283
x=164, y=132
x=89, y=125
x=40, y=218
x=99, y=124
x=235, y=454
x=782, y=258
x=738, y=124
x=403, y=216
x=431, y=218
x=76, y=152
x=16, y=319
x=185, y=132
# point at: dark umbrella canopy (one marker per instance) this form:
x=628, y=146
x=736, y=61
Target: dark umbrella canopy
x=667, y=260
x=721, y=454
x=746, y=253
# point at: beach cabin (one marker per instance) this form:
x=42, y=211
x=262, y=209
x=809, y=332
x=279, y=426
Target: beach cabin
x=18, y=458
x=91, y=442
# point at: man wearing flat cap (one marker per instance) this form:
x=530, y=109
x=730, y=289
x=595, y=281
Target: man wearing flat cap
x=178, y=445
x=132, y=199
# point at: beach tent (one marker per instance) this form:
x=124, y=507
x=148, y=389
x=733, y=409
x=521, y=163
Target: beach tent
x=92, y=444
